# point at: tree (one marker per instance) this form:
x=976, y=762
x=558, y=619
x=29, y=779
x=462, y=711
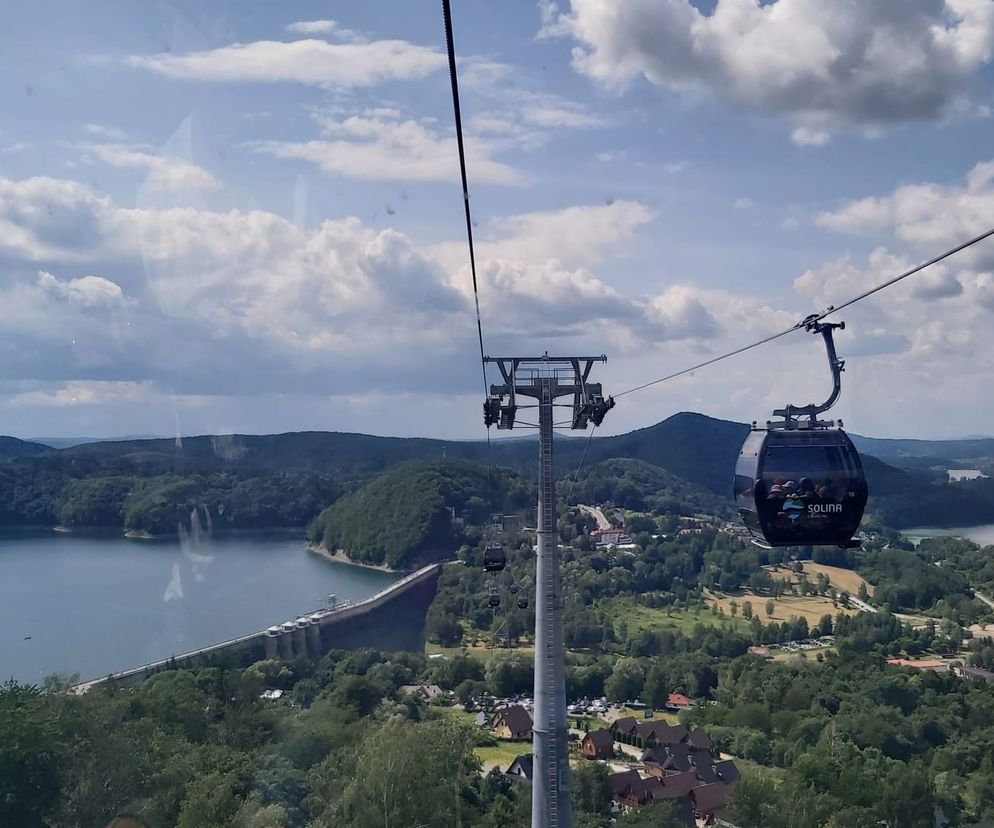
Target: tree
x=770, y=606
x=445, y=629
x=592, y=788
x=863, y=593
x=733, y=608
x=408, y=774
x=658, y=815
x=747, y=609
x=626, y=681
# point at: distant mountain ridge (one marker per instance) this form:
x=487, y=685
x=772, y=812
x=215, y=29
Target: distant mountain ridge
x=698, y=449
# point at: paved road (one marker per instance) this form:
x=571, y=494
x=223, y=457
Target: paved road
x=861, y=605
x=598, y=515
x=985, y=599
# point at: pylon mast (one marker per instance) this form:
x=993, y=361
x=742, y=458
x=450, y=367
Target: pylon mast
x=546, y=379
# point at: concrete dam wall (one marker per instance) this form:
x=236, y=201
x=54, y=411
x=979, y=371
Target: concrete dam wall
x=392, y=619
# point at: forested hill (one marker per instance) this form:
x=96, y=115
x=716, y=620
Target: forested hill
x=248, y=481
x=418, y=512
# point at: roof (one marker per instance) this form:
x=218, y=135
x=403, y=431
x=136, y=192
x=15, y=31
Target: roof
x=976, y=672
x=710, y=798
x=678, y=784
x=623, y=780
x=600, y=738
x=924, y=664
x=662, y=732
x=524, y=764
x=727, y=770
x=677, y=700
x=626, y=724
x=515, y=717
x=704, y=766
x=427, y=691
x=699, y=739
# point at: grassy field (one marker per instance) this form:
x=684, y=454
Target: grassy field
x=657, y=715
x=811, y=607
x=482, y=653
x=458, y=714
x=501, y=754
x=841, y=579
x=638, y=617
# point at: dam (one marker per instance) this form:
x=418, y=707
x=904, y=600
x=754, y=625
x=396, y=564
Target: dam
x=391, y=619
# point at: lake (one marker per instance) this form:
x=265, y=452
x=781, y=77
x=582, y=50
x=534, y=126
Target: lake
x=984, y=534
x=95, y=604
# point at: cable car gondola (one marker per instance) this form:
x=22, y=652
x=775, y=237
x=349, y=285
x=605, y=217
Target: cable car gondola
x=800, y=482
x=522, y=602
x=494, y=598
x=494, y=559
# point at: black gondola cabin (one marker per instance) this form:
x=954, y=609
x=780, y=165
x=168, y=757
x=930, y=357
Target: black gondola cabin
x=800, y=487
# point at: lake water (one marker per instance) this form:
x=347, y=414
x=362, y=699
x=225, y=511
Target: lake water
x=984, y=535
x=96, y=604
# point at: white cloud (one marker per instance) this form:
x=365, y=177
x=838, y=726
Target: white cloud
x=876, y=62
x=675, y=167
x=92, y=392
x=515, y=110
x=103, y=131
x=85, y=291
x=576, y=236
x=743, y=204
x=313, y=62
x=381, y=146
x=560, y=115
x=328, y=27
x=20, y=146
x=929, y=215
x=164, y=172
x=208, y=304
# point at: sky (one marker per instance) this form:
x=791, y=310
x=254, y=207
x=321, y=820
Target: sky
x=245, y=216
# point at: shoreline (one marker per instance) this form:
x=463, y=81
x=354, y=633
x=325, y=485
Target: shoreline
x=340, y=557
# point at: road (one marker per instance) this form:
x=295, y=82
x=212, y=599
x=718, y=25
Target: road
x=596, y=514
x=985, y=599
x=861, y=605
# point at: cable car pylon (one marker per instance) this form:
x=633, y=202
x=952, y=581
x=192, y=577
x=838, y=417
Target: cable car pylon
x=546, y=379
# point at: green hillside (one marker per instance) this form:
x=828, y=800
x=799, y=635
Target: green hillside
x=414, y=513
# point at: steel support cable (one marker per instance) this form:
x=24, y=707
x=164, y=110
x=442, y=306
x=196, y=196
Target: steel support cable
x=457, y=114
x=816, y=317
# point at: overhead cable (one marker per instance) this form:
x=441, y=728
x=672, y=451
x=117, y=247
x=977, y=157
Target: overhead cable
x=804, y=323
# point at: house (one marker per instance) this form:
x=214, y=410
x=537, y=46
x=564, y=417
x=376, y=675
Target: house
x=629, y=790
x=966, y=671
x=512, y=722
x=710, y=798
x=956, y=475
x=678, y=701
x=609, y=537
x=625, y=729
x=762, y=652
x=597, y=744
x=936, y=664
x=659, y=733
x=427, y=692
x=677, y=784
x=520, y=770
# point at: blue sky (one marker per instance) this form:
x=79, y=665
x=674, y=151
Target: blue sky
x=245, y=216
